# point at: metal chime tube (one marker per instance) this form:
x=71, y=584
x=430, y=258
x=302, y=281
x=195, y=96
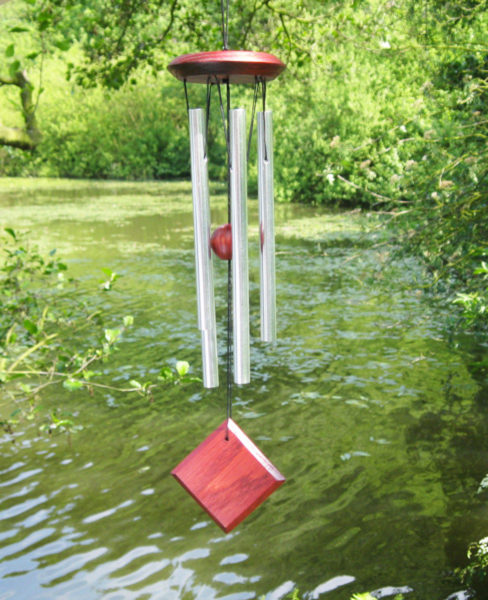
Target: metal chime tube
x=266, y=226
x=203, y=256
x=240, y=278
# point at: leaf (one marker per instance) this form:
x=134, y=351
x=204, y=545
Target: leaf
x=128, y=320
x=135, y=384
x=483, y=485
x=63, y=45
x=112, y=335
x=9, y=50
x=18, y=29
x=11, y=232
x=182, y=367
x=30, y=326
x=14, y=68
x=166, y=374
x=32, y=55
x=72, y=384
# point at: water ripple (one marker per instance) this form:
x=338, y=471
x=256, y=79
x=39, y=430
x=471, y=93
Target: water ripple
x=20, y=476
x=19, y=509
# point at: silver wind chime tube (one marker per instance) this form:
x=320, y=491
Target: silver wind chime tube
x=203, y=255
x=266, y=226
x=240, y=278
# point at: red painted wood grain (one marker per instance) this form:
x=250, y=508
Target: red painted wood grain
x=235, y=66
x=228, y=475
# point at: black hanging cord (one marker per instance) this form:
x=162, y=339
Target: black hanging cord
x=186, y=96
x=224, y=9
x=225, y=113
x=207, y=112
x=254, y=102
x=229, y=276
x=263, y=87
x=225, y=118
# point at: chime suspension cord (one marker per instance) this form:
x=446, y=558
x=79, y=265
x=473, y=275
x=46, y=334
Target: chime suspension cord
x=224, y=9
x=225, y=114
x=229, y=268
x=254, y=102
x=259, y=81
x=207, y=112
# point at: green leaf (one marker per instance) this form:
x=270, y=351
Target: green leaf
x=112, y=335
x=18, y=29
x=166, y=374
x=135, y=384
x=182, y=367
x=32, y=55
x=63, y=45
x=14, y=67
x=30, y=326
x=9, y=50
x=72, y=384
x=128, y=320
x=11, y=232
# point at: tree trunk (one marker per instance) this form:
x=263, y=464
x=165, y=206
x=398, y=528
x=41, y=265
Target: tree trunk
x=30, y=136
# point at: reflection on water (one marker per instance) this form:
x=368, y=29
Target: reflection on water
x=365, y=407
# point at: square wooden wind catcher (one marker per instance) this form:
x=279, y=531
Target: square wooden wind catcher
x=228, y=475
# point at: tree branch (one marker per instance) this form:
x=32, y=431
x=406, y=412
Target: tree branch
x=30, y=136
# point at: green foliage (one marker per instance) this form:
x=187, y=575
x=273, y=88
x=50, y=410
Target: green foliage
x=137, y=133
x=475, y=574
x=48, y=337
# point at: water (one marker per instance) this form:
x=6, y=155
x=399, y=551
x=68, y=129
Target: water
x=372, y=413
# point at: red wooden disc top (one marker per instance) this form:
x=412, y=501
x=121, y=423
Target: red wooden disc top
x=235, y=66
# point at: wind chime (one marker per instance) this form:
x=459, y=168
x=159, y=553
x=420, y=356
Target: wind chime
x=227, y=474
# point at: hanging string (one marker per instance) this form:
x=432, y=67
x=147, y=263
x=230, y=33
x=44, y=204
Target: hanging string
x=225, y=23
x=225, y=114
x=225, y=118
x=186, y=96
x=263, y=87
x=207, y=113
x=254, y=102
x=229, y=277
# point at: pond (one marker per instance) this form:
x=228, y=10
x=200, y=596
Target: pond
x=367, y=404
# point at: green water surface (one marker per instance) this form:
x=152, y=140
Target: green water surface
x=365, y=404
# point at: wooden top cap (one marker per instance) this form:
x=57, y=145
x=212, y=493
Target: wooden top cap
x=235, y=66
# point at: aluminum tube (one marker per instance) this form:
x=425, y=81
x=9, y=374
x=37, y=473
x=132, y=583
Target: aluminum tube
x=240, y=278
x=203, y=254
x=266, y=226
